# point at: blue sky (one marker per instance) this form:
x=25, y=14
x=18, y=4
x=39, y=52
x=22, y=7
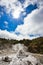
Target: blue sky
x=12, y=22
x=21, y=15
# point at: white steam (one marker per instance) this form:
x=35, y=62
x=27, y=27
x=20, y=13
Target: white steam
x=22, y=57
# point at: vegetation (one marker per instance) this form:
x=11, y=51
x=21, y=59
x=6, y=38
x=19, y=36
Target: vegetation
x=34, y=46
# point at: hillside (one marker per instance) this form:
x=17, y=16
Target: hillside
x=34, y=46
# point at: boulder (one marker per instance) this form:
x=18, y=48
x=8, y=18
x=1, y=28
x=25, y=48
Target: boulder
x=6, y=59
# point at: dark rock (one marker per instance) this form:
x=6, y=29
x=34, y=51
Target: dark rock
x=6, y=59
x=29, y=63
x=37, y=64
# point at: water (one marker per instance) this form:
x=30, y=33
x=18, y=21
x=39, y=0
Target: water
x=22, y=57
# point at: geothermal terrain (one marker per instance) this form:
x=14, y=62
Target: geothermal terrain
x=23, y=52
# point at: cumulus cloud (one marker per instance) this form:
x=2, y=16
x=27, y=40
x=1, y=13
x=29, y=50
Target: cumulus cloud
x=11, y=35
x=33, y=22
x=13, y=6
x=7, y=35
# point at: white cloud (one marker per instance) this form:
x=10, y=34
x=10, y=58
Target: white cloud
x=28, y=2
x=11, y=35
x=33, y=24
x=14, y=6
x=38, y=2
x=17, y=12
x=7, y=35
x=6, y=24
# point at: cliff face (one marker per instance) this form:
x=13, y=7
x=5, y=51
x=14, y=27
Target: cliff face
x=34, y=46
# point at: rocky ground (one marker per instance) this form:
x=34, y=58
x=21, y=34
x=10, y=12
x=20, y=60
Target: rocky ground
x=38, y=56
x=10, y=53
